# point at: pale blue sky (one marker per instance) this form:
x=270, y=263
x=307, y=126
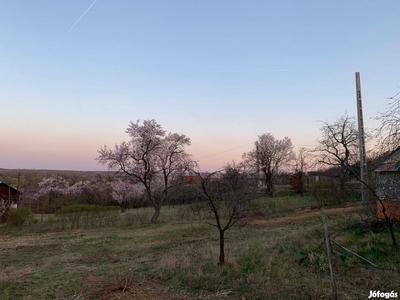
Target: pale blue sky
x=221, y=72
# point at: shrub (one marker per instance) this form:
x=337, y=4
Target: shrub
x=195, y=211
x=90, y=214
x=110, y=214
x=326, y=193
x=16, y=217
x=142, y=216
x=129, y=219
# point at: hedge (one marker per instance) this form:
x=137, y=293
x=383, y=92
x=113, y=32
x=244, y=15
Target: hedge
x=74, y=216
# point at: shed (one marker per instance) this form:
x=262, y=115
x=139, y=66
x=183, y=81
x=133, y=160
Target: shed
x=388, y=185
x=9, y=194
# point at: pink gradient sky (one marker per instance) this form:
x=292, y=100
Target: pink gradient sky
x=220, y=72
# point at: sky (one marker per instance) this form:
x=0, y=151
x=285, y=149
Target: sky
x=73, y=74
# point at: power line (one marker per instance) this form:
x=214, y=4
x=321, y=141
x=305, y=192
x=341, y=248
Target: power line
x=242, y=147
x=225, y=151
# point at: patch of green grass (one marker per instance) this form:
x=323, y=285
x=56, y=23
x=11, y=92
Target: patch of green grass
x=6, y=289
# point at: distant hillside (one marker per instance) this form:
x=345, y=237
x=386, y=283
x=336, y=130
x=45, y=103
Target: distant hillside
x=29, y=176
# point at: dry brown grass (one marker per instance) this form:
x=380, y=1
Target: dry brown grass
x=274, y=258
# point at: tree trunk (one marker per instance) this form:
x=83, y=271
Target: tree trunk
x=269, y=183
x=343, y=178
x=342, y=191
x=387, y=219
x=301, y=184
x=157, y=210
x=221, y=247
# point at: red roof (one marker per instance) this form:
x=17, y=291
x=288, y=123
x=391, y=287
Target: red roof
x=193, y=179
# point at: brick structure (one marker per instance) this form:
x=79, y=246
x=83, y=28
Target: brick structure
x=388, y=185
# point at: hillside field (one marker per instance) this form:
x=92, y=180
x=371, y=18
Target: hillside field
x=276, y=252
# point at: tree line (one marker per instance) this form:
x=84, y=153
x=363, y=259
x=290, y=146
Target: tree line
x=150, y=167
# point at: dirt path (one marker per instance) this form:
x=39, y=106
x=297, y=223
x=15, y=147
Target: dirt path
x=128, y=289
x=301, y=214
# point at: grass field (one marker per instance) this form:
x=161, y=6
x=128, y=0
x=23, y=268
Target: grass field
x=275, y=253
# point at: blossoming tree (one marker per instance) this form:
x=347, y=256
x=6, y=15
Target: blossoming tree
x=97, y=190
x=269, y=155
x=126, y=192
x=53, y=189
x=150, y=154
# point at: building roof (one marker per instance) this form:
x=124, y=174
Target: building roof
x=193, y=179
x=391, y=163
x=9, y=186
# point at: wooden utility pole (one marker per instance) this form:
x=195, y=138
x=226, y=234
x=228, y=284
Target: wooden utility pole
x=18, y=201
x=329, y=251
x=258, y=164
x=361, y=139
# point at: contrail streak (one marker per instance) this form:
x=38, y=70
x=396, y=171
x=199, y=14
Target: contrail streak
x=72, y=27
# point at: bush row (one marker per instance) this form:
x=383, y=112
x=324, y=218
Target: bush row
x=74, y=216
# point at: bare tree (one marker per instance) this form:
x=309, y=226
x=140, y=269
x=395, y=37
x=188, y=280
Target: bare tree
x=228, y=194
x=152, y=157
x=386, y=188
x=338, y=147
x=268, y=156
x=388, y=132
x=301, y=164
